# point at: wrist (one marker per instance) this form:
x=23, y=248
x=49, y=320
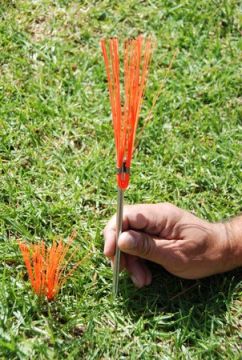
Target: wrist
x=234, y=240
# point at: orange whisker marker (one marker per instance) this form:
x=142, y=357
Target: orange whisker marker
x=46, y=266
x=125, y=112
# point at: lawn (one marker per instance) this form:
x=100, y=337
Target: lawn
x=58, y=174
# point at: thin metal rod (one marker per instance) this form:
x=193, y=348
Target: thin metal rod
x=119, y=221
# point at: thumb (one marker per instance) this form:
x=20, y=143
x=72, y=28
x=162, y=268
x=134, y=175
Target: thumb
x=143, y=245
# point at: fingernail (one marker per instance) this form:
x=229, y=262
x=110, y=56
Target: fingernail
x=135, y=281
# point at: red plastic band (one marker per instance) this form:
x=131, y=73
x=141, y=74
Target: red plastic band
x=123, y=180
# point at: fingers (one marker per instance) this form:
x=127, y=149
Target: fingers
x=109, y=233
x=154, y=219
x=123, y=261
x=139, y=272
x=144, y=246
x=151, y=218
x=136, y=246
x=145, y=228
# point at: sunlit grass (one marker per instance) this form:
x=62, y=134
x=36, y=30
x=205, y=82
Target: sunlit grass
x=58, y=173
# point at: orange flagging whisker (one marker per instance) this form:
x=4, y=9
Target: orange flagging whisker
x=46, y=265
x=27, y=260
x=155, y=99
x=125, y=113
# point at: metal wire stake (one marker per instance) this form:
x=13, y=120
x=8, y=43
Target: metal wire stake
x=119, y=221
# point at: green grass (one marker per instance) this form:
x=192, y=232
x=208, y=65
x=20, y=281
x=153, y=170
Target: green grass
x=57, y=173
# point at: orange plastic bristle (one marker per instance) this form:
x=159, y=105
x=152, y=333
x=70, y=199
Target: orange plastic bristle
x=125, y=113
x=46, y=266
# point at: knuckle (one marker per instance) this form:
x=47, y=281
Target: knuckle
x=145, y=246
x=126, y=211
x=166, y=206
x=127, y=208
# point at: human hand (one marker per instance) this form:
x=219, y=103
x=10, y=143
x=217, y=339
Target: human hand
x=183, y=244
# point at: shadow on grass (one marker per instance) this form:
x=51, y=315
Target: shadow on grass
x=197, y=307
